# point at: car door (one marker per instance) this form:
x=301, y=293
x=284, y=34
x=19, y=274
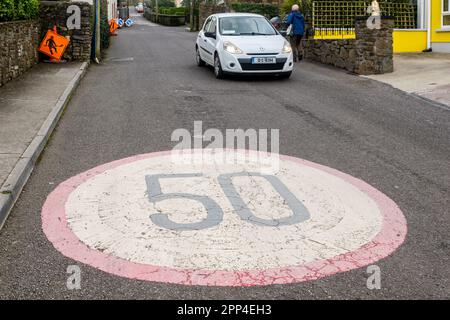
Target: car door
x=211, y=39
x=205, y=54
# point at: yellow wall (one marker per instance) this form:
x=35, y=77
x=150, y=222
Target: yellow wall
x=344, y=35
x=436, y=23
x=409, y=41
x=404, y=41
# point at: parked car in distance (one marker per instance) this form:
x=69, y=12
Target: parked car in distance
x=243, y=43
x=140, y=7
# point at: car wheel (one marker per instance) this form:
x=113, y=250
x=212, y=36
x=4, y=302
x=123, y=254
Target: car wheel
x=218, y=72
x=199, y=60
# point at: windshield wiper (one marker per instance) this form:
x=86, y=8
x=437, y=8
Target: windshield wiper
x=256, y=34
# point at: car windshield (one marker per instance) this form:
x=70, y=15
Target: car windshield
x=253, y=26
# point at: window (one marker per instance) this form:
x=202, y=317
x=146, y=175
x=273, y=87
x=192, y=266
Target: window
x=243, y=25
x=206, y=26
x=212, y=26
x=446, y=13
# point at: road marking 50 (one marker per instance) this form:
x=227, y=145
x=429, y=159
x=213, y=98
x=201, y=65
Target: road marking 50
x=214, y=211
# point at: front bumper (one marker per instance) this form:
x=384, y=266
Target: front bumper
x=242, y=63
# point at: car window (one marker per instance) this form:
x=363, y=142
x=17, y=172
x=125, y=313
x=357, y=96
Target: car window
x=207, y=23
x=212, y=26
x=245, y=26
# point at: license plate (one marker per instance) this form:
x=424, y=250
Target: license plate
x=264, y=60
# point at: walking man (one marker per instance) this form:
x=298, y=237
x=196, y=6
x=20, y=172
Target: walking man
x=51, y=44
x=297, y=20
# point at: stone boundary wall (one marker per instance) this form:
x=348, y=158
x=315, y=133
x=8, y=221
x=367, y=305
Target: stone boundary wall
x=370, y=53
x=55, y=12
x=19, y=40
x=205, y=10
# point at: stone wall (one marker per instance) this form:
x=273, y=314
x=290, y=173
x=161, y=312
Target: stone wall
x=205, y=10
x=374, y=54
x=19, y=40
x=370, y=53
x=55, y=12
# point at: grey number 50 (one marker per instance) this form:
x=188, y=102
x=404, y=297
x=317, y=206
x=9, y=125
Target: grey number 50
x=214, y=211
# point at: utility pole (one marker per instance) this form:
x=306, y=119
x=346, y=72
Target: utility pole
x=97, y=30
x=191, y=15
x=157, y=10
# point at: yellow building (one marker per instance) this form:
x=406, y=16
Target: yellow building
x=432, y=30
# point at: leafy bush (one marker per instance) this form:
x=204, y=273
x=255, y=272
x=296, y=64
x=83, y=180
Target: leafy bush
x=161, y=4
x=173, y=11
x=11, y=10
x=6, y=10
x=268, y=10
x=104, y=29
x=166, y=3
x=304, y=5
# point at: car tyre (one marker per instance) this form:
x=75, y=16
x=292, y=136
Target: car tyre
x=218, y=72
x=198, y=58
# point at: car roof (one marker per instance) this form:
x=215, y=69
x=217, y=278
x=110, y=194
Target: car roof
x=236, y=14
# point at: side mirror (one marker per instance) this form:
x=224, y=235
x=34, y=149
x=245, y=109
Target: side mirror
x=210, y=35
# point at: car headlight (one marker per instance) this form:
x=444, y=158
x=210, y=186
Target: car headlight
x=231, y=48
x=287, y=47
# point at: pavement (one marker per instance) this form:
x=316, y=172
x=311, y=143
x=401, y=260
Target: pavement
x=29, y=109
x=423, y=74
x=149, y=85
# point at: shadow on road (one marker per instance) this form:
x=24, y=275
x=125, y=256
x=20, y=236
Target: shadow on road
x=249, y=77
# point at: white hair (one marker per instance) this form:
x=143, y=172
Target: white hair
x=295, y=7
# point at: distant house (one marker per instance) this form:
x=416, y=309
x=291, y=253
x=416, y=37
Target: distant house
x=432, y=32
x=427, y=24
x=112, y=7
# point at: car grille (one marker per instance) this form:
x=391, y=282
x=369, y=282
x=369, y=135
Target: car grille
x=246, y=65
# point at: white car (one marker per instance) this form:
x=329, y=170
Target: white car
x=243, y=43
x=139, y=8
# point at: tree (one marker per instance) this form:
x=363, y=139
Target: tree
x=166, y=3
x=305, y=6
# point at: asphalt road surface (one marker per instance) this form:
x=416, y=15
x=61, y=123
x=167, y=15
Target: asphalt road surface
x=148, y=85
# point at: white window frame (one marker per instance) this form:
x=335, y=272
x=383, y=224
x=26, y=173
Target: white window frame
x=445, y=13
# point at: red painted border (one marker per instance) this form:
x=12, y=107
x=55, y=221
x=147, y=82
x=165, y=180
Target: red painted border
x=55, y=227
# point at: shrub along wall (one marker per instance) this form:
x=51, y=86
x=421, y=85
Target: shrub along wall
x=167, y=16
x=12, y=10
x=265, y=9
x=165, y=19
x=173, y=11
x=104, y=26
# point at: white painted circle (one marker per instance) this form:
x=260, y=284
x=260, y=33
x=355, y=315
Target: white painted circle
x=110, y=212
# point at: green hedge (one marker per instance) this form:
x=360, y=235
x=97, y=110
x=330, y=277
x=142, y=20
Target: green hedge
x=173, y=11
x=268, y=10
x=104, y=28
x=11, y=10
